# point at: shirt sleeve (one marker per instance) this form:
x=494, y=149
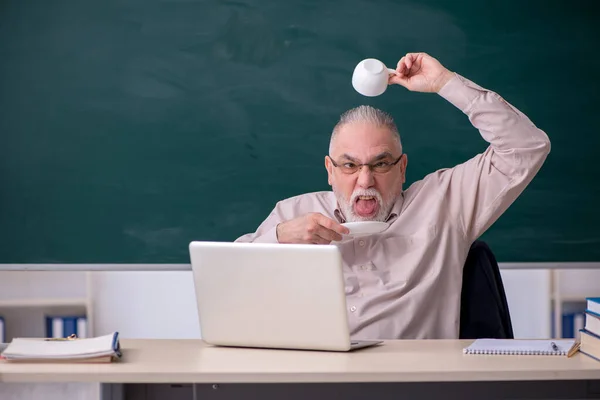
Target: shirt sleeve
x=267, y=230
x=481, y=189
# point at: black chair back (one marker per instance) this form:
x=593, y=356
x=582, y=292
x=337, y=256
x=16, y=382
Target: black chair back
x=484, y=309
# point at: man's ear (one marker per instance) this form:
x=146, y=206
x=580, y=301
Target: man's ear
x=329, y=168
x=404, y=163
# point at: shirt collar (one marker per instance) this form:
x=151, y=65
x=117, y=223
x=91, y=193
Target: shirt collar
x=394, y=212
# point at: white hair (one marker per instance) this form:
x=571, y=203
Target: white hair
x=367, y=114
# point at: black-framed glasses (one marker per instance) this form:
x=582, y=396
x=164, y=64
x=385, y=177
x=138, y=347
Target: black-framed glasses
x=377, y=167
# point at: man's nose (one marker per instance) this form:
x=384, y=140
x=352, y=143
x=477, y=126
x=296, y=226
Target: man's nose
x=365, y=177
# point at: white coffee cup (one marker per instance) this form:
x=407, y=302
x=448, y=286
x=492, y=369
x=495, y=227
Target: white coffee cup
x=370, y=77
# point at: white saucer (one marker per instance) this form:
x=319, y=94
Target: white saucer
x=364, y=228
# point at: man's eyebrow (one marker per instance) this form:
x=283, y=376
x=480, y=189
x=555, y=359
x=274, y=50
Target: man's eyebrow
x=348, y=157
x=380, y=156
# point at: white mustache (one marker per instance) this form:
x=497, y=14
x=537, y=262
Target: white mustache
x=366, y=192
x=348, y=206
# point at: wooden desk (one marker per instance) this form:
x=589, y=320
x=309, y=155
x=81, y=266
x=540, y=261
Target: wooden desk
x=394, y=362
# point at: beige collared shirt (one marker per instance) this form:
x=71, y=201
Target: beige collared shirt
x=406, y=282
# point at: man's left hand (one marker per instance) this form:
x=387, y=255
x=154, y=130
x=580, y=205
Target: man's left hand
x=419, y=72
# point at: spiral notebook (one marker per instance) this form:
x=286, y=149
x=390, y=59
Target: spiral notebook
x=520, y=347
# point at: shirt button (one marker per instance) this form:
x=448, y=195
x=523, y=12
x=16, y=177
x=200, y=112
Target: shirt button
x=353, y=308
x=361, y=243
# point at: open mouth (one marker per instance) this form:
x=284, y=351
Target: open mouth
x=365, y=206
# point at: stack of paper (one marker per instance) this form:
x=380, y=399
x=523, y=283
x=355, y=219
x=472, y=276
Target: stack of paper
x=99, y=349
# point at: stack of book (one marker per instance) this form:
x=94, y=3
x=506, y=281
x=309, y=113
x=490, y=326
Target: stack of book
x=590, y=334
x=101, y=349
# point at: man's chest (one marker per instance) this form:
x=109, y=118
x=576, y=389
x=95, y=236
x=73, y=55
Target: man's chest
x=397, y=260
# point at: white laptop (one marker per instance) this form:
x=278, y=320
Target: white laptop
x=287, y=296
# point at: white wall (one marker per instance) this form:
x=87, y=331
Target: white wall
x=17, y=285
x=145, y=304
x=528, y=297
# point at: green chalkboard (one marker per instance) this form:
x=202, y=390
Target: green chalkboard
x=129, y=128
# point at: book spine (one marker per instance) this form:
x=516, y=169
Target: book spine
x=57, y=328
x=578, y=323
x=572, y=323
x=69, y=326
x=82, y=327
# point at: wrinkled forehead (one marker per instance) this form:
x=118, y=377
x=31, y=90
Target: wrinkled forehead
x=365, y=141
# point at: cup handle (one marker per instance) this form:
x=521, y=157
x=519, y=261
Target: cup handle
x=391, y=71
